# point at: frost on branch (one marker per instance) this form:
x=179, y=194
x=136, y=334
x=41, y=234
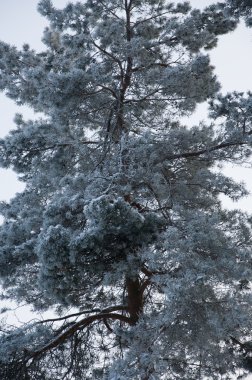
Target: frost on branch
x=120, y=230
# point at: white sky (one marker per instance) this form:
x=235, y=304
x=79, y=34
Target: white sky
x=20, y=23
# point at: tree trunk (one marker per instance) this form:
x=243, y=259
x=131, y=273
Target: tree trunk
x=135, y=298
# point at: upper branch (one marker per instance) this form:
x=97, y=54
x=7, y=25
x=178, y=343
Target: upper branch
x=108, y=54
x=200, y=152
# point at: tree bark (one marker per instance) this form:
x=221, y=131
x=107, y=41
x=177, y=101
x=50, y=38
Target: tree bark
x=135, y=298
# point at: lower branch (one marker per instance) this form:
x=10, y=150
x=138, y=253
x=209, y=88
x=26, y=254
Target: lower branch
x=85, y=322
x=106, y=310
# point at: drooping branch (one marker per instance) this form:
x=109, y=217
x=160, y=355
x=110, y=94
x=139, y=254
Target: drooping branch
x=70, y=331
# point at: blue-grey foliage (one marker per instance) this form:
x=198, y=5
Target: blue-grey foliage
x=239, y=8
x=120, y=229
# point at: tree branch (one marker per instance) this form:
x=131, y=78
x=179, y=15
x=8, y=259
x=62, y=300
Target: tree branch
x=76, y=327
x=109, y=10
x=50, y=147
x=108, y=54
x=107, y=310
x=202, y=151
x=150, y=18
x=158, y=64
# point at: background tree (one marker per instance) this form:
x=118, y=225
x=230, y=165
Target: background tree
x=120, y=229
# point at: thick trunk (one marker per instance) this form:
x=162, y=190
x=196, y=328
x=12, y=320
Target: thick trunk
x=135, y=298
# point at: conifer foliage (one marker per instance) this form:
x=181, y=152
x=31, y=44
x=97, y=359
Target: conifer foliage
x=120, y=229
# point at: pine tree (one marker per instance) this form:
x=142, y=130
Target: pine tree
x=120, y=229
x=239, y=8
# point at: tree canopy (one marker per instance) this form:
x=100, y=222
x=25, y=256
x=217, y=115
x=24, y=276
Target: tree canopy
x=120, y=229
